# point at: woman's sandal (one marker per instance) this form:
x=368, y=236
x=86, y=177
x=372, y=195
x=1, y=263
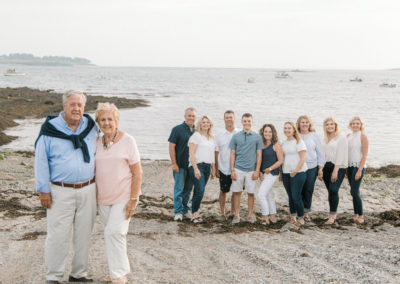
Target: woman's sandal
x=360, y=220
x=122, y=280
x=106, y=279
x=300, y=223
x=197, y=220
x=265, y=223
x=330, y=222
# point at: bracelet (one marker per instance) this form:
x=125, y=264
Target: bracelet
x=134, y=198
x=270, y=169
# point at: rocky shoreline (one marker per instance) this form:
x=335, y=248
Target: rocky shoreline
x=213, y=251
x=21, y=103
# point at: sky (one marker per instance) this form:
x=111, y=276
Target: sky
x=304, y=34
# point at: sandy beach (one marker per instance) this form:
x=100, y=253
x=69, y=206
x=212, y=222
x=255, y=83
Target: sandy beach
x=164, y=251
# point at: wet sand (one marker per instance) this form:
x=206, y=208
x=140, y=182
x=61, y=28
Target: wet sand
x=164, y=251
x=20, y=103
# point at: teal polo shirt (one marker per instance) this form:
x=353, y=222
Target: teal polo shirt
x=246, y=146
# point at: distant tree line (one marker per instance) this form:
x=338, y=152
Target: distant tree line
x=45, y=59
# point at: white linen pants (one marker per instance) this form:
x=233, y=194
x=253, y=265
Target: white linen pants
x=266, y=195
x=72, y=210
x=115, y=231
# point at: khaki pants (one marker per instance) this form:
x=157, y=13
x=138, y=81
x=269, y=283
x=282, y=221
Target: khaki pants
x=72, y=211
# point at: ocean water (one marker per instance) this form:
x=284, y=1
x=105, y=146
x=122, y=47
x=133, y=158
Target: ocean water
x=317, y=93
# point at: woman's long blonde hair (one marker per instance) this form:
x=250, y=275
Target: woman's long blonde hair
x=306, y=117
x=296, y=134
x=337, y=131
x=362, y=128
x=198, y=126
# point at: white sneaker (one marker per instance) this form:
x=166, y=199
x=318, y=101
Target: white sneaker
x=178, y=217
x=187, y=215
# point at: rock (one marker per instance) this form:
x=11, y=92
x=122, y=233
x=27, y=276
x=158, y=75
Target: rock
x=31, y=181
x=305, y=254
x=9, y=178
x=24, y=164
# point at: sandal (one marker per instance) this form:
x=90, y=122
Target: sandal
x=360, y=220
x=272, y=220
x=122, y=280
x=197, y=220
x=292, y=222
x=330, y=222
x=307, y=218
x=265, y=222
x=106, y=279
x=300, y=223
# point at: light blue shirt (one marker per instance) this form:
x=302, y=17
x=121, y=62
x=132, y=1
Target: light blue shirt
x=56, y=159
x=315, y=151
x=246, y=146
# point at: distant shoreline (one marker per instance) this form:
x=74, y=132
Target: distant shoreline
x=22, y=103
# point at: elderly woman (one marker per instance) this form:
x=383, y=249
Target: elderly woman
x=201, y=162
x=118, y=178
x=315, y=159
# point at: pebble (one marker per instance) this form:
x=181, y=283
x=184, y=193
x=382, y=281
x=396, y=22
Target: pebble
x=9, y=178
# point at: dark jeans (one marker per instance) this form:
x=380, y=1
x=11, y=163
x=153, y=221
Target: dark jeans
x=308, y=188
x=355, y=189
x=199, y=184
x=333, y=187
x=294, y=186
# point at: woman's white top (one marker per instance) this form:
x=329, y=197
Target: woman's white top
x=336, y=151
x=355, y=149
x=315, y=151
x=291, y=154
x=205, y=148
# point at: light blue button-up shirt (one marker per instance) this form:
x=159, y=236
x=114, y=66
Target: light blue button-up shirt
x=56, y=159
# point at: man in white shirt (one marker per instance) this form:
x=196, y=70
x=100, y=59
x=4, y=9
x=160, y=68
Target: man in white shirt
x=222, y=156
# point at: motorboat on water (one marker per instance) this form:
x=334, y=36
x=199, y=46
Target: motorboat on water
x=12, y=72
x=356, y=79
x=282, y=75
x=387, y=85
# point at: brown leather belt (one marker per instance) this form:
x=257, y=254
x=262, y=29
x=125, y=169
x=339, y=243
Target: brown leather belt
x=74, y=185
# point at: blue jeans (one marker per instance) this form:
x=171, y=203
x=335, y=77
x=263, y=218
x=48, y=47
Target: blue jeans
x=333, y=187
x=355, y=189
x=308, y=188
x=199, y=184
x=182, y=189
x=294, y=186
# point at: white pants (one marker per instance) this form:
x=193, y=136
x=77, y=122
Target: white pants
x=115, y=231
x=244, y=179
x=266, y=195
x=72, y=210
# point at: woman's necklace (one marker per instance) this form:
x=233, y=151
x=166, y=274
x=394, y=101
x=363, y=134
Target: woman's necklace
x=108, y=146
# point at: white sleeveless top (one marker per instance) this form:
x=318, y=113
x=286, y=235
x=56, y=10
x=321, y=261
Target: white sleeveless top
x=336, y=151
x=355, y=149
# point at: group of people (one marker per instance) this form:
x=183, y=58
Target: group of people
x=238, y=158
x=81, y=169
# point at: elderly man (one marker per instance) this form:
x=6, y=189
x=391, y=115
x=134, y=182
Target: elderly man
x=64, y=171
x=179, y=153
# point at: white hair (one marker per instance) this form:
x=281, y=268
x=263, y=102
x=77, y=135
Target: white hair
x=70, y=93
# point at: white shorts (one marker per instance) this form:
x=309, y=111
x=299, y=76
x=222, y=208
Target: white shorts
x=244, y=179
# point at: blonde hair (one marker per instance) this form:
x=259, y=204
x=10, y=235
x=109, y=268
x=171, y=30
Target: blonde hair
x=362, y=128
x=337, y=131
x=198, y=126
x=296, y=134
x=106, y=107
x=306, y=117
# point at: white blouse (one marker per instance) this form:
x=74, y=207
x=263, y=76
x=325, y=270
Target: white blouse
x=336, y=151
x=205, y=148
x=291, y=154
x=355, y=149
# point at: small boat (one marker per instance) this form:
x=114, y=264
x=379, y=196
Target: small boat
x=387, y=85
x=12, y=72
x=356, y=79
x=251, y=80
x=282, y=75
